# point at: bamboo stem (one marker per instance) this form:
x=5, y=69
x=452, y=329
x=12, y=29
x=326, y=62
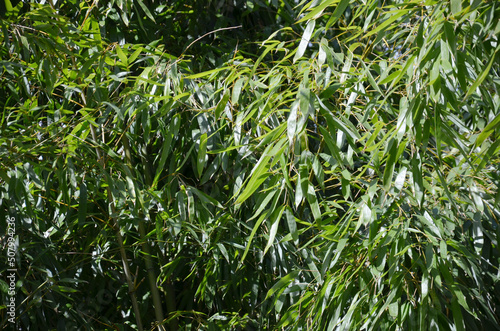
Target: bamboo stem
x=150, y=269
x=119, y=238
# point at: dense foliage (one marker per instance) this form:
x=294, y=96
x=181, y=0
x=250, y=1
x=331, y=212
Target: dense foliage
x=322, y=165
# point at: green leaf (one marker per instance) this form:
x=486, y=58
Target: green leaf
x=221, y=106
x=318, y=172
x=181, y=95
x=390, y=78
x=224, y=252
x=292, y=122
x=403, y=72
x=134, y=55
x=304, y=97
x=121, y=55
x=169, y=134
x=252, y=234
x=302, y=186
x=12, y=10
x=371, y=80
x=387, y=23
x=146, y=10
x=451, y=37
x=282, y=283
x=400, y=179
x=456, y=6
x=429, y=223
x=292, y=224
x=337, y=122
x=338, y=12
x=4, y=287
x=488, y=130
x=346, y=188
x=313, y=202
x=317, y=11
x=483, y=75
x=366, y=214
x=8, y=5
x=390, y=163
x=237, y=90
x=304, y=42
x=260, y=171
x=202, y=153
x=262, y=205
x=274, y=220
x=65, y=289
x=418, y=184
x=205, y=198
x=488, y=154
x=457, y=315
x=332, y=146
x=207, y=73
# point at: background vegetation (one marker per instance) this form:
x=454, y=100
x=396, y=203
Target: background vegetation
x=230, y=164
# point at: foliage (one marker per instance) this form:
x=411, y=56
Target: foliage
x=329, y=165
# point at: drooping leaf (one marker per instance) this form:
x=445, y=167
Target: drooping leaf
x=202, y=153
x=304, y=42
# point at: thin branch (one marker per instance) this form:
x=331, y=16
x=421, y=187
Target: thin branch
x=208, y=33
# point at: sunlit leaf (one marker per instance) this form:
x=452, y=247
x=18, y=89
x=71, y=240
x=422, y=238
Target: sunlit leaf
x=304, y=42
x=202, y=153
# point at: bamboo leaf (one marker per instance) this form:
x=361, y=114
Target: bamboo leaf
x=386, y=23
x=274, y=220
x=260, y=171
x=146, y=10
x=317, y=11
x=488, y=130
x=237, y=90
x=282, y=283
x=456, y=6
x=292, y=122
x=313, y=203
x=292, y=224
x=202, y=153
x=400, y=179
x=338, y=12
x=134, y=55
x=482, y=76
x=205, y=198
x=304, y=42
x=390, y=164
x=221, y=106
x=252, y=234
x=207, y=73
x=121, y=55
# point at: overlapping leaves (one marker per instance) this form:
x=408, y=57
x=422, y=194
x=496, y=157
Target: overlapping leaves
x=346, y=178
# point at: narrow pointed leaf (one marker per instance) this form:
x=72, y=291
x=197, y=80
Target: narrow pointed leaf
x=304, y=42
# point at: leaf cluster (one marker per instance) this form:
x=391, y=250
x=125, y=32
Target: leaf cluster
x=330, y=165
